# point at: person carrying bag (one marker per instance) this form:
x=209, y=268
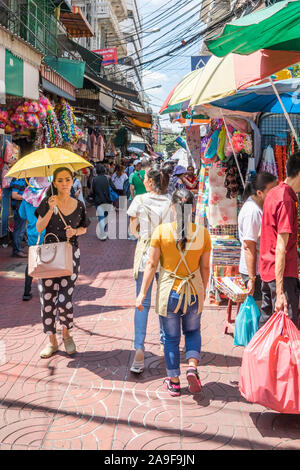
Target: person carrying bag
x=57, y=262
x=51, y=260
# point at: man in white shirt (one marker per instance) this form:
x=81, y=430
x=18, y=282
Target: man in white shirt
x=249, y=223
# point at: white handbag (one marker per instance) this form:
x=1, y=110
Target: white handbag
x=50, y=260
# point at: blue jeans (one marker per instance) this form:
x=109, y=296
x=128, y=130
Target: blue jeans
x=5, y=211
x=191, y=323
x=18, y=233
x=102, y=223
x=141, y=318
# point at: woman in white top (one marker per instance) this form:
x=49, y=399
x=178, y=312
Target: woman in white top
x=118, y=178
x=249, y=223
x=146, y=212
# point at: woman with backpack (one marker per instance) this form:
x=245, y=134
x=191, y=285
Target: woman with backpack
x=146, y=212
x=183, y=249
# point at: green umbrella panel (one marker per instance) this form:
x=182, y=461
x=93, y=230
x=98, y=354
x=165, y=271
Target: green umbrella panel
x=276, y=27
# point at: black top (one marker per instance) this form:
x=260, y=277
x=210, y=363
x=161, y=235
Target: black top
x=101, y=190
x=78, y=218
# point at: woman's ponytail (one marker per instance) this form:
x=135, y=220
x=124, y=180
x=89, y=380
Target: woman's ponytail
x=183, y=202
x=160, y=177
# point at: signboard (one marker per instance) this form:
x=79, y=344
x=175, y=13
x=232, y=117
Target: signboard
x=110, y=56
x=197, y=62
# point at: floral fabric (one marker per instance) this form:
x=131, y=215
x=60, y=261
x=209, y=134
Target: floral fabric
x=222, y=211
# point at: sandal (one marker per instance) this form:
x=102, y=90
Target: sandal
x=137, y=366
x=48, y=351
x=70, y=346
x=193, y=380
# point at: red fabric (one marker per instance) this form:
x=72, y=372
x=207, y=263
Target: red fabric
x=270, y=372
x=191, y=182
x=280, y=215
x=280, y=155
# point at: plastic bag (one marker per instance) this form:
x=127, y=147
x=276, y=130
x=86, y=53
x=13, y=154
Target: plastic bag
x=5, y=182
x=246, y=322
x=270, y=372
x=113, y=195
x=8, y=152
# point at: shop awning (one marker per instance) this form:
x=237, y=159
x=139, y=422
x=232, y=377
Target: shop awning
x=70, y=70
x=55, y=83
x=116, y=88
x=144, y=118
x=19, y=67
x=93, y=61
x=76, y=24
x=98, y=98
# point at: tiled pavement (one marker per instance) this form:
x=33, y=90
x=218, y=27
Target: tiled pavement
x=91, y=400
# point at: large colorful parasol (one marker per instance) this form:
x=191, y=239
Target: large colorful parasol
x=262, y=98
x=222, y=77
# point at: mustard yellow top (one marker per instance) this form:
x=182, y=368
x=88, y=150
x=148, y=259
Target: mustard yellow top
x=164, y=238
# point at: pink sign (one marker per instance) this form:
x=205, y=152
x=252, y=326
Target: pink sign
x=110, y=56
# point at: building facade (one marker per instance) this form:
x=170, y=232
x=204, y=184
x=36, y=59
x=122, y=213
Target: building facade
x=117, y=26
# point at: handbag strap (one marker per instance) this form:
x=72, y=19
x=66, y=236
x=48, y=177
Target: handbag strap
x=62, y=218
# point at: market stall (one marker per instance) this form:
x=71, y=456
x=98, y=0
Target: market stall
x=26, y=125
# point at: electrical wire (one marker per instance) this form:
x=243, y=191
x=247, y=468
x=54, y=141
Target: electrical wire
x=167, y=56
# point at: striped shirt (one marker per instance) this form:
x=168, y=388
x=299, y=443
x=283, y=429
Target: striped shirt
x=17, y=186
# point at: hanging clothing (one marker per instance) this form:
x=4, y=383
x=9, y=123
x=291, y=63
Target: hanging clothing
x=222, y=211
x=193, y=139
x=268, y=162
x=100, y=148
x=93, y=147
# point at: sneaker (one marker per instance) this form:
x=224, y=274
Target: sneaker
x=193, y=380
x=173, y=389
x=27, y=297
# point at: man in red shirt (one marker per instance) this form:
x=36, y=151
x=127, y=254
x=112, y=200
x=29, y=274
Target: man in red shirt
x=278, y=262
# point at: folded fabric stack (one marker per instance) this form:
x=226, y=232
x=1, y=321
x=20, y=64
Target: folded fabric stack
x=226, y=251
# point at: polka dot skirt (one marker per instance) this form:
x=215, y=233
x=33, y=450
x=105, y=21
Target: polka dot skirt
x=56, y=298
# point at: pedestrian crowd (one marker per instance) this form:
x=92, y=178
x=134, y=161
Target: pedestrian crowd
x=170, y=248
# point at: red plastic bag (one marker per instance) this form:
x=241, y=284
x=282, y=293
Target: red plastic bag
x=270, y=372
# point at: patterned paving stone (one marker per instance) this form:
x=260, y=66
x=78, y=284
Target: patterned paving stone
x=92, y=401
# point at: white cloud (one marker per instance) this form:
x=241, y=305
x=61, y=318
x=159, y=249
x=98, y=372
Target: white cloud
x=154, y=77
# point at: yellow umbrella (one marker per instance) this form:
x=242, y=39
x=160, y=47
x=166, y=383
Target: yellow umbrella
x=185, y=88
x=43, y=163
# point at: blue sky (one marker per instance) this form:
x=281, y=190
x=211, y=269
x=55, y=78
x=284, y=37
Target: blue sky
x=168, y=74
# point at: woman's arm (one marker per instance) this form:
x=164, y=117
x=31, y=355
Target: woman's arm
x=149, y=273
x=205, y=269
x=71, y=232
x=44, y=221
x=134, y=223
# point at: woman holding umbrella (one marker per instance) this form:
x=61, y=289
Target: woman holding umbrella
x=67, y=222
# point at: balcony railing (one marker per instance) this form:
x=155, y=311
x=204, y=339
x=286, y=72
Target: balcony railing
x=120, y=9
x=106, y=13
x=32, y=22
